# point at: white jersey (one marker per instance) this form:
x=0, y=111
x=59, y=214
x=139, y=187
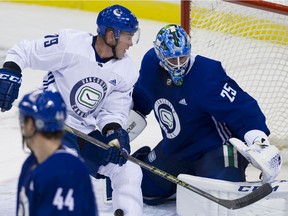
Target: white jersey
x=95, y=93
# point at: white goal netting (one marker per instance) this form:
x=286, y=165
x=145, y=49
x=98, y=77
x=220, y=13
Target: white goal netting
x=252, y=45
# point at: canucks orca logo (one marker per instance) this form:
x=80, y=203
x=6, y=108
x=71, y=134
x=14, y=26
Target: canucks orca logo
x=89, y=97
x=167, y=117
x=86, y=95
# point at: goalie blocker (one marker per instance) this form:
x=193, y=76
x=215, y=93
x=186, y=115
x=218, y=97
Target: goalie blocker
x=135, y=125
x=191, y=204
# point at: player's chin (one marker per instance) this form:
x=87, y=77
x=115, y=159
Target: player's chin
x=120, y=55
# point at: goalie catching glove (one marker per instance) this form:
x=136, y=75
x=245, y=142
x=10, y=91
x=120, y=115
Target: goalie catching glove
x=261, y=155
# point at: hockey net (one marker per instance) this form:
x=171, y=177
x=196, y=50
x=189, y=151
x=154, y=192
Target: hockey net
x=250, y=38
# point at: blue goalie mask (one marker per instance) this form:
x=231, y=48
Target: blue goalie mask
x=120, y=19
x=46, y=108
x=173, y=48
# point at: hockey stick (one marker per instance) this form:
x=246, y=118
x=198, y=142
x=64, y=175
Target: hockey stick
x=246, y=200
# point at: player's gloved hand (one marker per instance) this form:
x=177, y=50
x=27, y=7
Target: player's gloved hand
x=120, y=146
x=262, y=156
x=10, y=81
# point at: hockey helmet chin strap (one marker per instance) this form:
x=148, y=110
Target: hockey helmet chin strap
x=113, y=47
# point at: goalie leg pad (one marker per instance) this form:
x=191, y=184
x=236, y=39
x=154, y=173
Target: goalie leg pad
x=189, y=203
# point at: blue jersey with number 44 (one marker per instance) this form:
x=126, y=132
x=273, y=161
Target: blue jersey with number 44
x=59, y=186
x=199, y=115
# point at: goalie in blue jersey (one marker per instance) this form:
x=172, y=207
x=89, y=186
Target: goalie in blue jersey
x=199, y=108
x=52, y=180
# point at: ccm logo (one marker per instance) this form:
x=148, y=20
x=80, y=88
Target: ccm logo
x=10, y=77
x=131, y=126
x=253, y=188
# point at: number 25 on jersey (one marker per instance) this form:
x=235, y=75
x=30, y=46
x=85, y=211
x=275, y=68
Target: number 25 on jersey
x=228, y=92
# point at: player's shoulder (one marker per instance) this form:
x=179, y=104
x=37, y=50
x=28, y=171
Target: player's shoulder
x=150, y=56
x=62, y=162
x=203, y=60
x=125, y=69
x=126, y=61
x=207, y=66
x=69, y=34
x=30, y=161
x=64, y=155
x=75, y=42
x=71, y=31
x=150, y=61
x=203, y=71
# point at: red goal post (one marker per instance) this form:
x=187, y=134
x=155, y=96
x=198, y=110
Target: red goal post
x=250, y=38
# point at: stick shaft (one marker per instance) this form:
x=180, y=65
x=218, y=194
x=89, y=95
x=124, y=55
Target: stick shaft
x=250, y=198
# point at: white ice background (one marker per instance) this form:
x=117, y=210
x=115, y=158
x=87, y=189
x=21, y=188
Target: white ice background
x=19, y=22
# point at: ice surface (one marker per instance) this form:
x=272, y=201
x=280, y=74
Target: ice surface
x=19, y=22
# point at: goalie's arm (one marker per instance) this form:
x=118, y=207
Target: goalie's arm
x=137, y=117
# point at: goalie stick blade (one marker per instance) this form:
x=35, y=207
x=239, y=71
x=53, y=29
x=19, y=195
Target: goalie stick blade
x=249, y=199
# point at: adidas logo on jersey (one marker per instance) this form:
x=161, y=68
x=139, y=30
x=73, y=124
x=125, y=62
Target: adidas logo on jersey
x=183, y=101
x=113, y=82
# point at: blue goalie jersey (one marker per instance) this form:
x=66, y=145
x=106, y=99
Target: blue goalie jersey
x=203, y=113
x=59, y=186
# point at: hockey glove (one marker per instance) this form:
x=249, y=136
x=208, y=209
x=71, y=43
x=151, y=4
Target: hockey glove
x=262, y=156
x=120, y=146
x=10, y=81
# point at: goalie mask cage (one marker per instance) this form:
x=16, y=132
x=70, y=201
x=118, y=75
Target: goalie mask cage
x=250, y=38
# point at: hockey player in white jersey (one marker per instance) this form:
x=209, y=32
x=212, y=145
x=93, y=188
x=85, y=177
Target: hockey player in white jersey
x=95, y=76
